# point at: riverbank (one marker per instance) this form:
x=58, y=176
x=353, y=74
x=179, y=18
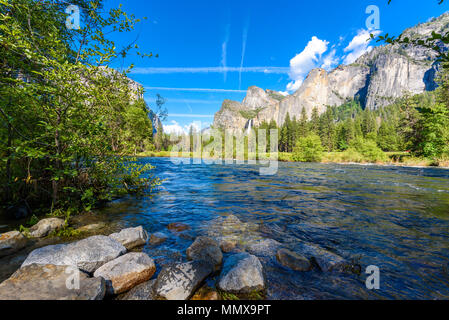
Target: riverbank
x=401, y=159
x=217, y=266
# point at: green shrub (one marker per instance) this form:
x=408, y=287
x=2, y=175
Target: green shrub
x=308, y=149
x=368, y=149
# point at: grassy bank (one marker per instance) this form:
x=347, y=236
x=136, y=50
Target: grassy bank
x=393, y=158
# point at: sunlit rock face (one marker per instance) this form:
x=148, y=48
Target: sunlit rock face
x=376, y=79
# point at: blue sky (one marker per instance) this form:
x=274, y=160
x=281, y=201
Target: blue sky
x=214, y=50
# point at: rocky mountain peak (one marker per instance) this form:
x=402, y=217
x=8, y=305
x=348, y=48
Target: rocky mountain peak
x=376, y=79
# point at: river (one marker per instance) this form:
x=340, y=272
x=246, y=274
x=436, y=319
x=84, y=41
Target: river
x=395, y=218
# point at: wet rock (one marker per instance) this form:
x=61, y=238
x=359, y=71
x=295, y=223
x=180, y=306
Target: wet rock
x=242, y=274
x=179, y=281
x=206, y=294
x=326, y=260
x=142, y=292
x=263, y=248
x=206, y=249
x=88, y=254
x=49, y=282
x=92, y=227
x=178, y=226
x=11, y=242
x=131, y=238
x=231, y=229
x=158, y=238
x=126, y=272
x=293, y=260
x=44, y=227
x=228, y=245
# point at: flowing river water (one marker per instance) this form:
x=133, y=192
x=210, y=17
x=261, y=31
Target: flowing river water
x=395, y=218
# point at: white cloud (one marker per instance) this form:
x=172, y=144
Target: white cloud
x=330, y=61
x=194, y=89
x=305, y=61
x=244, y=40
x=358, y=46
x=271, y=70
x=224, y=51
x=175, y=128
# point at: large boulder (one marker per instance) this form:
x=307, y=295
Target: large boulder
x=180, y=281
x=88, y=254
x=11, y=242
x=242, y=274
x=293, y=260
x=131, y=238
x=46, y=226
x=49, y=282
x=142, y=292
x=126, y=272
x=206, y=249
x=326, y=260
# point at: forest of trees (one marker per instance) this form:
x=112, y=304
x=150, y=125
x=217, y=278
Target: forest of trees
x=67, y=120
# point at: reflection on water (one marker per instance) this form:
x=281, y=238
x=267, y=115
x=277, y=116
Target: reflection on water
x=394, y=218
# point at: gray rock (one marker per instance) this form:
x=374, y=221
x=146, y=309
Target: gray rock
x=242, y=273
x=88, y=254
x=157, y=238
x=293, y=260
x=207, y=250
x=179, y=281
x=44, y=227
x=126, y=272
x=326, y=260
x=49, y=282
x=11, y=242
x=142, y=292
x=132, y=237
x=263, y=248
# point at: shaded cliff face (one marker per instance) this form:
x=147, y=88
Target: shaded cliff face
x=376, y=79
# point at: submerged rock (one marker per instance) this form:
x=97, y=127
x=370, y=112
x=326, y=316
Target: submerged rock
x=326, y=260
x=88, y=254
x=242, y=273
x=206, y=249
x=179, y=281
x=131, y=238
x=11, y=242
x=293, y=260
x=178, y=226
x=228, y=245
x=92, y=227
x=142, y=292
x=230, y=228
x=46, y=226
x=126, y=272
x=49, y=282
x=264, y=247
x=158, y=238
x=206, y=294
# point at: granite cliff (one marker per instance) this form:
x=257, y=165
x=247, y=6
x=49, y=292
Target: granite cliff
x=376, y=79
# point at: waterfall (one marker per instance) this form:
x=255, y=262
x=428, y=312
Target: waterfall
x=250, y=126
